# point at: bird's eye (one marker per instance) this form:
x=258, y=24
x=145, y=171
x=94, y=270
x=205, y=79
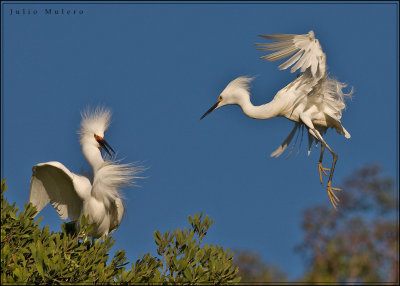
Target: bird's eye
x=220, y=98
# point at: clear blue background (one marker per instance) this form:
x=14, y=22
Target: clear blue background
x=159, y=67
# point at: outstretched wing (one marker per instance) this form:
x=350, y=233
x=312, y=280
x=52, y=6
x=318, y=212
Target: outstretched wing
x=53, y=183
x=309, y=54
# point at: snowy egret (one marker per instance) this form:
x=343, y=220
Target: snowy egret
x=313, y=99
x=74, y=195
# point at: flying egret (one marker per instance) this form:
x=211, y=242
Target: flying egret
x=313, y=99
x=74, y=195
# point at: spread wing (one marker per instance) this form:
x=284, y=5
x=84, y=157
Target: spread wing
x=53, y=183
x=308, y=53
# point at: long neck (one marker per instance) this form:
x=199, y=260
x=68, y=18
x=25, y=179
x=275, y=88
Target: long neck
x=264, y=111
x=93, y=155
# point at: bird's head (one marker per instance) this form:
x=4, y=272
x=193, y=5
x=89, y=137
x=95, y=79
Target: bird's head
x=234, y=92
x=93, y=126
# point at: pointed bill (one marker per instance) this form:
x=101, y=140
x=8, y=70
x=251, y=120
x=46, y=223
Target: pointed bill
x=210, y=110
x=104, y=145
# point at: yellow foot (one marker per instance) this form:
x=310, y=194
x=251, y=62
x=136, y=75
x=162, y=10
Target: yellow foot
x=334, y=199
x=322, y=170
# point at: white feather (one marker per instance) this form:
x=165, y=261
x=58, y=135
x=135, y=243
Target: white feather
x=73, y=195
x=313, y=99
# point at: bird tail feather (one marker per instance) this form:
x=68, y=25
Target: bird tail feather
x=285, y=143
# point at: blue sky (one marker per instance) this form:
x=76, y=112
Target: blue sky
x=159, y=67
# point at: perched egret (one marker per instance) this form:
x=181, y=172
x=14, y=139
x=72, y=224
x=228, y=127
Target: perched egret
x=74, y=195
x=313, y=99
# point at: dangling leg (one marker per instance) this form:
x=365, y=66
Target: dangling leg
x=321, y=169
x=314, y=132
x=334, y=199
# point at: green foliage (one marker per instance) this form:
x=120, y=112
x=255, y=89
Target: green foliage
x=29, y=254
x=356, y=243
x=32, y=255
x=184, y=260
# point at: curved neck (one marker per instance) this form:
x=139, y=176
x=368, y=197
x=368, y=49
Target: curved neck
x=264, y=111
x=93, y=155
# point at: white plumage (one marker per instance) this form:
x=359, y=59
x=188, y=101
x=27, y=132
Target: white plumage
x=313, y=100
x=74, y=195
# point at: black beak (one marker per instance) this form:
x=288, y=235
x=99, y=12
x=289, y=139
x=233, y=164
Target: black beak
x=210, y=110
x=103, y=144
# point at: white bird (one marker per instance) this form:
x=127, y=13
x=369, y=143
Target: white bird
x=313, y=99
x=74, y=195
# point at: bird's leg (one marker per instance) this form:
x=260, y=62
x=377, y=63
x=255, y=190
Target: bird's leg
x=334, y=199
x=305, y=117
x=321, y=169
